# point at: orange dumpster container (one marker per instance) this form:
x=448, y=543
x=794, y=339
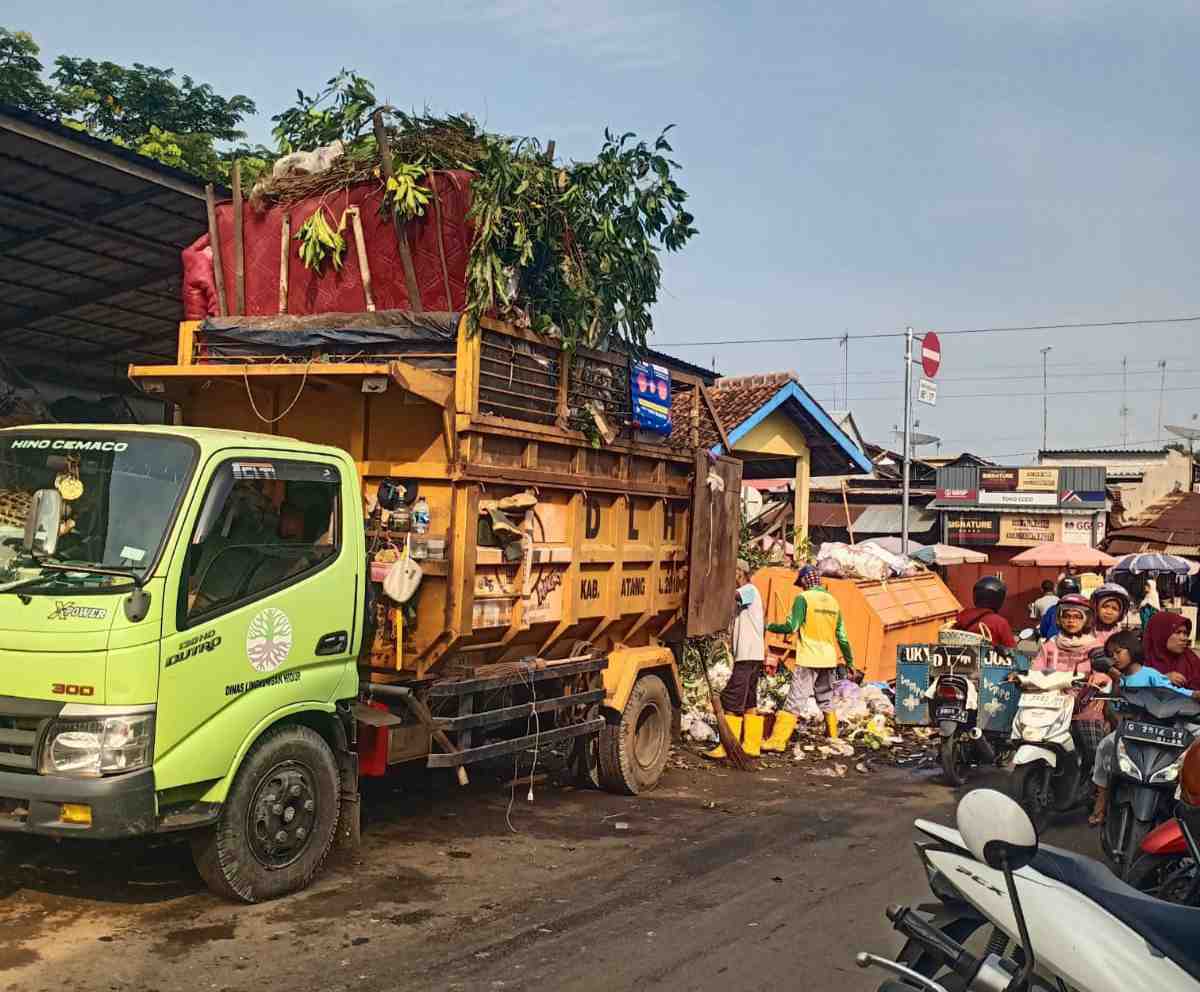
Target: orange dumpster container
x=879, y=616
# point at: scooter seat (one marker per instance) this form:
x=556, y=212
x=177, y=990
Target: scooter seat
x=1174, y=931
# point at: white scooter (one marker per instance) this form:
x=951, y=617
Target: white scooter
x=1093, y=932
x=1050, y=773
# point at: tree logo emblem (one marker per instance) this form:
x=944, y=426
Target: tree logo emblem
x=268, y=639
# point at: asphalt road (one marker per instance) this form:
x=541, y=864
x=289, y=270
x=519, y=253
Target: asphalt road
x=718, y=881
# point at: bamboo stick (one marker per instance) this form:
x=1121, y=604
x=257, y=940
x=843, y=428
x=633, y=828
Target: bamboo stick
x=285, y=247
x=239, y=255
x=406, y=261
x=360, y=247
x=214, y=243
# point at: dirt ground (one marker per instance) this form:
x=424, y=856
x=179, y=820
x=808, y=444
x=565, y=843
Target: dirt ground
x=718, y=880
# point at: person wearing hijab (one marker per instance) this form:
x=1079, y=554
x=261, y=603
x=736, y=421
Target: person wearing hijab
x=819, y=636
x=1110, y=608
x=1167, y=643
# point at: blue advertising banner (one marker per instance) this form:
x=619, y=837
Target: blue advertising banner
x=650, y=388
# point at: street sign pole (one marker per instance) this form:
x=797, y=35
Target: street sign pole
x=908, y=364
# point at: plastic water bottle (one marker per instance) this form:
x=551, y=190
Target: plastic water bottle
x=420, y=516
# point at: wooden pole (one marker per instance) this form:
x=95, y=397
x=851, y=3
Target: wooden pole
x=712, y=412
x=385, y=163
x=214, y=242
x=437, y=214
x=360, y=247
x=239, y=257
x=285, y=247
x=846, y=507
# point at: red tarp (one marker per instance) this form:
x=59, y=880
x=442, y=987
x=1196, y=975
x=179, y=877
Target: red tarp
x=332, y=291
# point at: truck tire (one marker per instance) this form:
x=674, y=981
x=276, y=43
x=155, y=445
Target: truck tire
x=278, y=822
x=634, y=747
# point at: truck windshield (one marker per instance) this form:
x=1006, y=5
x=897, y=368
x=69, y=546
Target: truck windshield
x=120, y=492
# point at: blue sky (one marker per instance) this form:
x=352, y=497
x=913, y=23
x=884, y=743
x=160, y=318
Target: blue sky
x=853, y=167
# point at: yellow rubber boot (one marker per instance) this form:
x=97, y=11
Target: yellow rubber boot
x=752, y=729
x=785, y=723
x=831, y=725
x=734, y=723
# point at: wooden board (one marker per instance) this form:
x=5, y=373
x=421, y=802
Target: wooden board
x=716, y=522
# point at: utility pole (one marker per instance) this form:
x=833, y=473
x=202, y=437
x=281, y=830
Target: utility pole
x=1124, y=404
x=1045, y=351
x=1162, y=386
x=908, y=346
x=846, y=370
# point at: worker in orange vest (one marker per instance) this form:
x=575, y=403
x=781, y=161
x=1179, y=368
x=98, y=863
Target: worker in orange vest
x=819, y=636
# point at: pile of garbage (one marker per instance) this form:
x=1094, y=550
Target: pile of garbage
x=866, y=713
x=863, y=561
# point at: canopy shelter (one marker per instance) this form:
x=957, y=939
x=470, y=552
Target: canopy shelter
x=90, y=235
x=778, y=429
x=1060, y=554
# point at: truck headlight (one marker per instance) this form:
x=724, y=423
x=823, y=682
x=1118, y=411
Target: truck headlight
x=104, y=746
x=1127, y=765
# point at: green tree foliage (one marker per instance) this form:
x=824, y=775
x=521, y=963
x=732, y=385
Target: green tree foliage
x=340, y=111
x=178, y=122
x=21, y=82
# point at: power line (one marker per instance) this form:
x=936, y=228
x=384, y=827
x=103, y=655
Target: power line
x=980, y=396
x=963, y=330
x=1157, y=370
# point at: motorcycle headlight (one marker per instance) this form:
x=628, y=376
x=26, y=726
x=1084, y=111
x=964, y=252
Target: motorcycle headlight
x=104, y=746
x=1127, y=765
x=1170, y=773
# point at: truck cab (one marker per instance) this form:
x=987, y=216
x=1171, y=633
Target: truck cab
x=169, y=599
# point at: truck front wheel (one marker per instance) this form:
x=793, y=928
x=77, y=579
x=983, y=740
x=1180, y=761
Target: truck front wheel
x=277, y=824
x=634, y=748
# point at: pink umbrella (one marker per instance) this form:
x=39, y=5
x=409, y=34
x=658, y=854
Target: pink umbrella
x=1058, y=554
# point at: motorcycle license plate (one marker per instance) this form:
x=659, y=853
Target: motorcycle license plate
x=956, y=713
x=1043, y=699
x=1152, y=733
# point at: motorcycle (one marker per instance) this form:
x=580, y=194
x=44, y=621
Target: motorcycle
x=1051, y=772
x=1156, y=727
x=1095, y=933
x=954, y=709
x=1168, y=863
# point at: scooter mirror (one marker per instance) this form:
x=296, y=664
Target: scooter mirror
x=996, y=829
x=1103, y=664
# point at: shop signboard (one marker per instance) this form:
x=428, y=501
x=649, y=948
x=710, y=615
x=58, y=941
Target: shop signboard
x=972, y=529
x=1025, y=530
x=1037, y=480
x=1077, y=530
x=1098, y=530
x=998, y=479
x=989, y=498
x=957, y=495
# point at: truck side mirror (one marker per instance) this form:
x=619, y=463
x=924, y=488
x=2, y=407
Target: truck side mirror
x=42, y=522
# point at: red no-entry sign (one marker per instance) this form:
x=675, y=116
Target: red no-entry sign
x=931, y=354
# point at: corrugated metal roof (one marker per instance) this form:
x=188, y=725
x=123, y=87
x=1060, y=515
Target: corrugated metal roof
x=1171, y=525
x=889, y=520
x=1088, y=452
x=90, y=235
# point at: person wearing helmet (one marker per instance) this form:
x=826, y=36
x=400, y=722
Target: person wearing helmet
x=1070, y=651
x=1110, y=606
x=1048, y=628
x=988, y=595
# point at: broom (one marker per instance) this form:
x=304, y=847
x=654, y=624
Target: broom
x=733, y=748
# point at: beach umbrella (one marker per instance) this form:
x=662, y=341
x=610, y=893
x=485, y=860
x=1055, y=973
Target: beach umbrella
x=948, y=554
x=1148, y=561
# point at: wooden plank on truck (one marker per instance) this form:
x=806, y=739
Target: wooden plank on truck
x=716, y=523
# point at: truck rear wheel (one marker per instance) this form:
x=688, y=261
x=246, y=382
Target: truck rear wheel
x=278, y=822
x=634, y=748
